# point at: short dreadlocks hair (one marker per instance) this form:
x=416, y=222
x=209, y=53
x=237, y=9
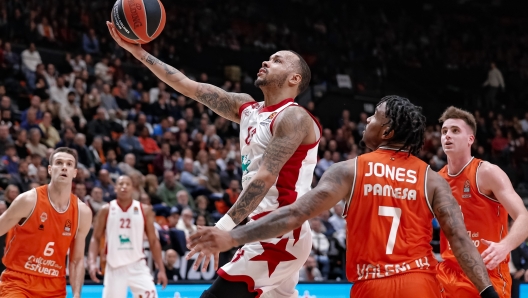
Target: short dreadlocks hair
x=407, y=121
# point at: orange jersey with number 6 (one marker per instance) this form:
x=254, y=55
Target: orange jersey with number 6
x=389, y=219
x=39, y=245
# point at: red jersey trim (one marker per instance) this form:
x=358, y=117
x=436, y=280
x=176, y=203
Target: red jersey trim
x=276, y=106
x=241, y=278
x=123, y=208
x=244, y=106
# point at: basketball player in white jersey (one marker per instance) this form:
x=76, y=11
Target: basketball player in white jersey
x=125, y=221
x=278, y=141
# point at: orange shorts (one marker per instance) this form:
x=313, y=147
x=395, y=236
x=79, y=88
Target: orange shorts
x=455, y=283
x=399, y=286
x=16, y=284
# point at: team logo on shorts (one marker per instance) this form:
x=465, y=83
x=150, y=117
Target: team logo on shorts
x=467, y=193
x=67, y=228
x=43, y=217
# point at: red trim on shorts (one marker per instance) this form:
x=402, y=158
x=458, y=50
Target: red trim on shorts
x=241, y=278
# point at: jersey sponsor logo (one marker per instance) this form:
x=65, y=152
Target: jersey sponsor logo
x=43, y=266
x=43, y=217
x=389, y=191
x=124, y=239
x=269, y=119
x=245, y=164
x=125, y=242
x=238, y=255
x=466, y=193
x=67, y=228
x=251, y=133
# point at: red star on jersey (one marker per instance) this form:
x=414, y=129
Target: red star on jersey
x=274, y=254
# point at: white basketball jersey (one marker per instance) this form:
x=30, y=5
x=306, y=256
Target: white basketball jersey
x=124, y=234
x=295, y=177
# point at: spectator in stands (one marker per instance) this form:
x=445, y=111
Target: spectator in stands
x=30, y=60
x=111, y=165
x=524, y=123
x=11, y=59
x=3, y=207
x=108, y=101
x=80, y=191
x=46, y=31
x=21, y=177
x=177, y=237
x=149, y=145
x=90, y=42
x=35, y=104
x=128, y=165
x=328, y=228
x=70, y=110
x=10, y=159
x=168, y=189
x=171, y=259
x=320, y=246
x=323, y=164
x=229, y=174
x=59, y=93
x=337, y=220
x=10, y=194
x=164, y=160
x=68, y=138
x=128, y=142
x=310, y=272
x=494, y=82
x=213, y=179
x=202, y=204
x=100, y=126
x=83, y=154
x=95, y=200
x=186, y=222
x=31, y=120
x=78, y=64
x=42, y=175
x=5, y=139
x=96, y=152
x=188, y=179
x=519, y=259
x=20, y=144
x=34, y=146
x=105, y=183
x=51, y=76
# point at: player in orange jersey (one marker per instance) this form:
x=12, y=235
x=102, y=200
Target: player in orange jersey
x=124, y=221
x=392, y=198
x=486, y=197
x=45, y=223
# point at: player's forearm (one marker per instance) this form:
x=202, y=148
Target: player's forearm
x=470, y=260
x=250, y=198
x=77, y=276
x=155, y=248
x=93, y=251
x=278, y=222
x=518, y=232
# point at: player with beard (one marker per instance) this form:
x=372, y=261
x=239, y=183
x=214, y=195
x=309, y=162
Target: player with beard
x=392, y=197
x=279, y=142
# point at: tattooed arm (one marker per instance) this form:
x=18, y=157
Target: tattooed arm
x=449, y=216
x=225, y=104
x=292, y=127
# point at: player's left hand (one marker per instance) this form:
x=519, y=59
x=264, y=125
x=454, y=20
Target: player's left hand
x=162, y=278
x=494, y=254
x=208, y=241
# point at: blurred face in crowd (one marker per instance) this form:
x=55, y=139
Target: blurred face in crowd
x=11, y=193
x=4, y=132
x=104, y=176
x=130, y=159
x=310, y=263
x=3, y=207
x=144, y=199
x=338, y=209
x=97, y=194
x=42, y=173
x=168, y=178
x=315, y=224
x=46, y=119
x=110, y=155
x=234, y=185
x=183, y=198
x=173, y=219
x=34, y=136
x=200, y=221
x=171, y=257
x=278, y=70
x=457, y=137
x=123, y=187
x=187, y=217
x=60, y=82
x=80, y=190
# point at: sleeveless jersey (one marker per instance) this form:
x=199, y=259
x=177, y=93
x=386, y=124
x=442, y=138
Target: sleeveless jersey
x=389, y=219
x=124, y=234
x=295, y=177
x=485, y=217
x=39, y=245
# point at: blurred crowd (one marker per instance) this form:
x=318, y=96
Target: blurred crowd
x=183, y=159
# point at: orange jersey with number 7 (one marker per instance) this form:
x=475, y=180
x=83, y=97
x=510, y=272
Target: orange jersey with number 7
x=38, y=246
x=389, y=218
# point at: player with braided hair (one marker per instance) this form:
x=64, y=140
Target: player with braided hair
x=392, y=197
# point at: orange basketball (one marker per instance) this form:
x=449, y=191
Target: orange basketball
x=138, y=21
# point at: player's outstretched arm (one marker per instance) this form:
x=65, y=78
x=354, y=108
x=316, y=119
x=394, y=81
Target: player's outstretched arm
x=449, y=216
x=493, y=181
x=291, y=127
x=22, y=207
x=77, y=250
x=225, y=104
x=93, y=251
x=154, y=244
x=335, y=185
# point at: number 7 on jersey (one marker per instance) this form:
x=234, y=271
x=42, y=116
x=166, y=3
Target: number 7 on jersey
x=395, y=213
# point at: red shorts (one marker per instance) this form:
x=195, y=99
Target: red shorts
x=20, y=285
x=399, y=286
x=455, y=283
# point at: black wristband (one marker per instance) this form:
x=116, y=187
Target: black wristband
x=489, y=292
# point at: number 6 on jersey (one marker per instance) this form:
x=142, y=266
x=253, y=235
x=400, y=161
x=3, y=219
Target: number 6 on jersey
x=395, y=213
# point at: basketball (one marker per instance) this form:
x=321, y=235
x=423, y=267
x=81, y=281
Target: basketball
x=138, y=21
